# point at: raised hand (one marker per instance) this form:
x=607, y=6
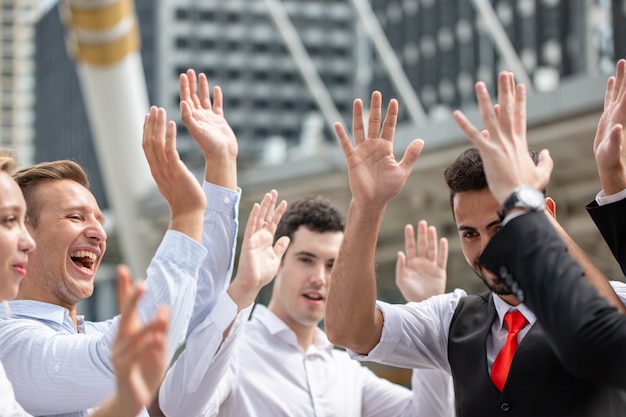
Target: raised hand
x=208, y=127
x=176, y=183
x=503, y=145
x=609, y=144
x=259, y=257
x=139, y=351
x=375, y=175
x=421, y=268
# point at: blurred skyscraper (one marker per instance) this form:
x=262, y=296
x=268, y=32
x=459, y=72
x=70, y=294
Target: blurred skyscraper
x=17, y=80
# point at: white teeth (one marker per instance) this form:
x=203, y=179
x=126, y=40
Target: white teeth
x=84, y=254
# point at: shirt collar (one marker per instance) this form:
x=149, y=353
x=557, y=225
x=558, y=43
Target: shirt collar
x=275, y=326
x=502, y=307
x=37, y=310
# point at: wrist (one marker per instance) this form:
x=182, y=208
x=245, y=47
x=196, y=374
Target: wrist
x=522, y=198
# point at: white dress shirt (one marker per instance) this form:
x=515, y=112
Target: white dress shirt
x=416, y=334
x=270, y=375
x=8, y=404
x=56, y=370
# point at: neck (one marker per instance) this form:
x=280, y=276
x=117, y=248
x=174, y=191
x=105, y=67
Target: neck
x=71, y=308
x=510, y=299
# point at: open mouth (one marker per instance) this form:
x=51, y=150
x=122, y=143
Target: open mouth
x=314, y=296
x=84, y=259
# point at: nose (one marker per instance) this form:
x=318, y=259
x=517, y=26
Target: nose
x=26, y=243
x=96, y=231
x=484, y=240
x=320, y=275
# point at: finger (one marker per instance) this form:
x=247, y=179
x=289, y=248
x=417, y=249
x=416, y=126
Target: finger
x=170, y=142
x=281, y=245
x=148, y=126
x=343, y=138
x=544, y=167
x=253, y=224
x=506, y=102
x=267, y=207
x=410, y=247
x=620, y=80
x=496, y=111
x=128, y=317
x=205, y=97
x=391, y=118
x=185, y=92
x=431, y=253
x=358, y=128
x=609, y=93
x=519, y=120
x=124, y=285
x=400, y=266
x=160, y=136
x=218, y=101
x=422, y=239
x=487, y=115
x=375, y=116
x=442, y=256
x=278, y=214
x=193, y=88
x=469, y=130
x=411, y=154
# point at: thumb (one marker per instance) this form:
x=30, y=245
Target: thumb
x=411, y=154
x=545, y=166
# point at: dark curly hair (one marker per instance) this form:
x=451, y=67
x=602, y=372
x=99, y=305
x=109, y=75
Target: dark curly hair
x=466, y=173
x=316, y=213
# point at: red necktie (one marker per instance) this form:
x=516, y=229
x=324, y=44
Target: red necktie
x=515, y=321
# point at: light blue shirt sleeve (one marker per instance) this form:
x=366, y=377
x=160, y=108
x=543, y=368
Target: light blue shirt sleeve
x=219, y=237
x=55, y=370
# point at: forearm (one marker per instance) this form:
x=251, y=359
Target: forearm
x=222, y=171
x=352, y=319
x=611, y=223
x=579, y=323
x=592, y=273
x=219, y=238
x=171, y=281
x=196, y=374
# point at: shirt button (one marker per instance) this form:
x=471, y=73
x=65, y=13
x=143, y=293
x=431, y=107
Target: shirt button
x=57, y=368
x=226, y=200
x=505, y=407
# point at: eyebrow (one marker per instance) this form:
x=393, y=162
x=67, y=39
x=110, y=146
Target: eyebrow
x=489, y=226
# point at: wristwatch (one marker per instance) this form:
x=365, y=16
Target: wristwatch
x=526, y=197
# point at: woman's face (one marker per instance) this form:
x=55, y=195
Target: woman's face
x=15, y=241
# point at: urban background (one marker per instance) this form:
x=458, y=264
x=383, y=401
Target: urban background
x=288, y=70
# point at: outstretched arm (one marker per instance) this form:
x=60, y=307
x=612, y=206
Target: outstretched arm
x=527, y=251
x=190, y=384
x=208, y=127
x=175, y=182
x=609, y=148
x=352, y=319
x=609, y=144
x=421, y=269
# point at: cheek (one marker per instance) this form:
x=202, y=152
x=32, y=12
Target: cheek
x=471, y=250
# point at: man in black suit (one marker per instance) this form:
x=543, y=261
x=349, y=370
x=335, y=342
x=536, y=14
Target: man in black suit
x=462, y=334
x=579, y=316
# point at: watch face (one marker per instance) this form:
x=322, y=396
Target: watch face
x=531, y=197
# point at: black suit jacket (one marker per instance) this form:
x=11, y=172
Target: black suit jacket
x=610, y=219
x=588, y=335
